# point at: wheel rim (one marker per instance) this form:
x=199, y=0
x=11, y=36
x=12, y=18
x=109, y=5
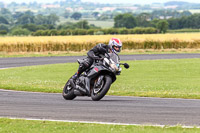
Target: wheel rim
x=97, y=90
x=68, y=88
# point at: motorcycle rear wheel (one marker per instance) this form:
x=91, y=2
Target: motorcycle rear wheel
x=68, y=94
x=98, y=96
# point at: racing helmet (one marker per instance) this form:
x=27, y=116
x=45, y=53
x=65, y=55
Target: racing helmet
x=115, y=45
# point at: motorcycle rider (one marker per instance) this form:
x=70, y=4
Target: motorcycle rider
x=114, y=46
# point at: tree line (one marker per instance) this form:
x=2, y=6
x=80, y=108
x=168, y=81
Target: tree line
x=128, y=20
x=19, y=23
x=114, y=31
x=27, y=23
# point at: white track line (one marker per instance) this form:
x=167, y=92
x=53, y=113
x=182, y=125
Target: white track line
x=103, y=123
x=4, y=68
x=8, y=68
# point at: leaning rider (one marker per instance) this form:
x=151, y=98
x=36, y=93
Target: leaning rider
x=114, y=46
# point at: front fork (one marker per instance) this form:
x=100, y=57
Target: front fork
x=99, y=81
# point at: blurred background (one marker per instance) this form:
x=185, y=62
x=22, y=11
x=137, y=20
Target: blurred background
x=29, y=17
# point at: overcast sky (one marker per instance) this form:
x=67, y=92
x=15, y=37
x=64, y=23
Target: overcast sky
x=107, y=1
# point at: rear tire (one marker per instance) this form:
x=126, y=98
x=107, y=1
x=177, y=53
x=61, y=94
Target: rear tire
x=102, y=93
x=68, y=94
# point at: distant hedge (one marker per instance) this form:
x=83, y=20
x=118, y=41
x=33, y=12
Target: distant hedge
x=183, y=30
x=137, y=30
x=3, y=32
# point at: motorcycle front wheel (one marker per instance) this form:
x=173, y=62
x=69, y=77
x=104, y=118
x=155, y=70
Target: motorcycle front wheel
x=68, y=92
x=105, y=86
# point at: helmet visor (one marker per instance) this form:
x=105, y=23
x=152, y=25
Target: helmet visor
x=117, y=48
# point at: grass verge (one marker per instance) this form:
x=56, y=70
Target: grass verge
x=178, y=78
x=30, y=126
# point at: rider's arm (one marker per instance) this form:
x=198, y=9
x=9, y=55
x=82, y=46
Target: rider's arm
x=102, y=48
x=98, y=49
x=92, y=55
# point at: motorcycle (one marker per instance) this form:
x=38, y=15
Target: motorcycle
x=96, y=81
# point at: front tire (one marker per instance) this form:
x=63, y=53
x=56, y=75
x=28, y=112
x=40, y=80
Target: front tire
x=98, y=96
x=68, y=92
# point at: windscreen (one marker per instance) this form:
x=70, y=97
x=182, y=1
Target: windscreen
x=114, y=57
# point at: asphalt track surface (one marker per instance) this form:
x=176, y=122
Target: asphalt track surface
x=111, y=109
x=29, y=61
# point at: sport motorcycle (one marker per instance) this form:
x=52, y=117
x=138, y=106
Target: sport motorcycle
x=96, y=81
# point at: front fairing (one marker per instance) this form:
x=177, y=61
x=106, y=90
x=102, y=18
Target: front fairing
x=95, y=70
x=114, y=64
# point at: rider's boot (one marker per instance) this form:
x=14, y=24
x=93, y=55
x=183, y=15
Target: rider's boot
x=77, y=74
x=81, y=69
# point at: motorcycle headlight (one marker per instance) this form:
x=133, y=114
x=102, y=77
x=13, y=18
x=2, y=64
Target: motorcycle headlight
x=114, y=67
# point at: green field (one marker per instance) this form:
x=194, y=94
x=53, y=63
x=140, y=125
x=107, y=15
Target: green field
x=103, y=24
x=99, y=23
x=27, y=126
x=178, y=78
